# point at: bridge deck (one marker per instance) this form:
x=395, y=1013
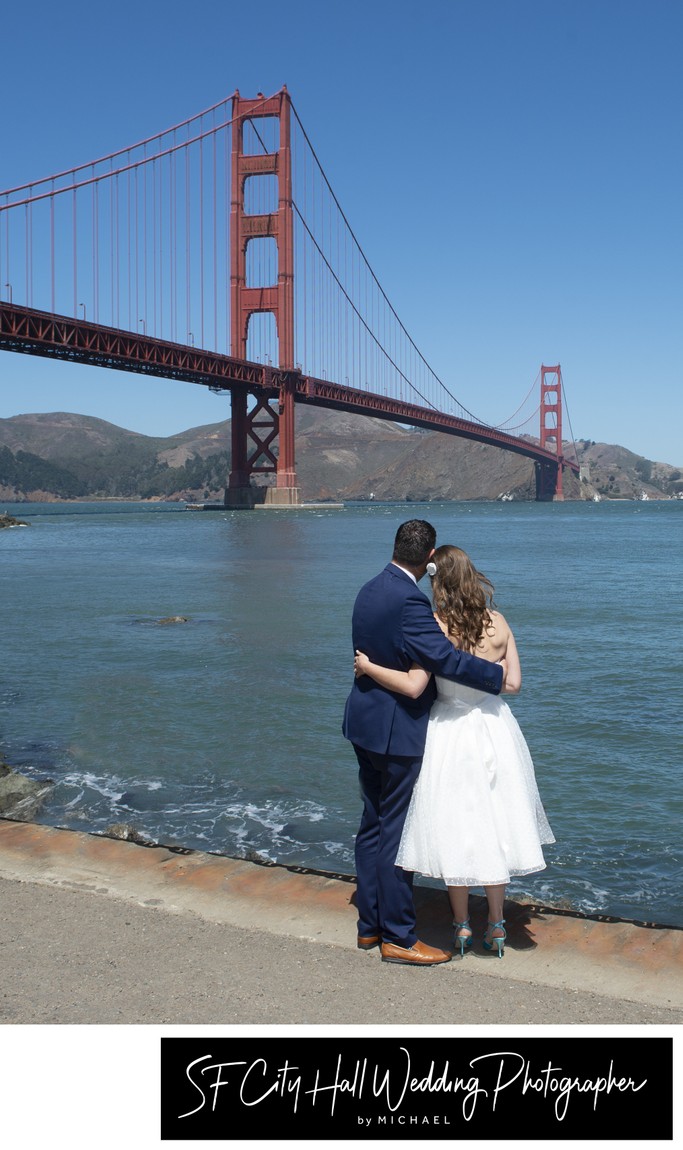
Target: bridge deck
x=32, y=332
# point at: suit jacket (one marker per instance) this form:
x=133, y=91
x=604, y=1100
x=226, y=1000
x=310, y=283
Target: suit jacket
x=394, y=626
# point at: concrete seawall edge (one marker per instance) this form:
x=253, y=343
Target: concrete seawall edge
x=557, y=948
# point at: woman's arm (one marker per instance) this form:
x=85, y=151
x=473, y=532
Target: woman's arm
x=411, y=683
x=513, y=667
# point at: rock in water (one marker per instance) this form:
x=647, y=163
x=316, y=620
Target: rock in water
x=21, y=798
x=128, y=833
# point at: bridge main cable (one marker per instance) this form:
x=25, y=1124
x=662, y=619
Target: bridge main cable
x=342, y=214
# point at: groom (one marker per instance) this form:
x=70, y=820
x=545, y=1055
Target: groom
x=393, y=624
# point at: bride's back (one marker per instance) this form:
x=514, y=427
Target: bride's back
x=492, y=643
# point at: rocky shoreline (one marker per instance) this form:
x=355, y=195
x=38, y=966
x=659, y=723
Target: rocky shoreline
x=20, y=797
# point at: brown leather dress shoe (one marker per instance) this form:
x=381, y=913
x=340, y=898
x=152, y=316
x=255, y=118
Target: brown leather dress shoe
x=419, y=954
x=368, y=942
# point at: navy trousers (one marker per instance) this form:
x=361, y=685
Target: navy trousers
x=385, y=891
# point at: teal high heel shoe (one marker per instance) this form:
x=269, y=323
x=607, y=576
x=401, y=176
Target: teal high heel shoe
x=464, y=941
x=499, y=940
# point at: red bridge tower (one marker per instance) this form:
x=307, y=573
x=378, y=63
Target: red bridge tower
x=263, y=423
x=549, y=475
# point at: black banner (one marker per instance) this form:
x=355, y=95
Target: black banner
x=417, y=1088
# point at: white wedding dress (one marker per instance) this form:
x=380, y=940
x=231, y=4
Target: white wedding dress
x=476, y=817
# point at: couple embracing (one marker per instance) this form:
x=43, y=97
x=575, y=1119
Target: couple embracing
x=446, y=777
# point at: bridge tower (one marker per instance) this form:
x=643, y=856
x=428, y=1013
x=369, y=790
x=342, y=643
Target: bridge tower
x=549, y=475
x=258, y=427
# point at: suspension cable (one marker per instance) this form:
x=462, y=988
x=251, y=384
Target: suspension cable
x=374, y=277
x=505, y=422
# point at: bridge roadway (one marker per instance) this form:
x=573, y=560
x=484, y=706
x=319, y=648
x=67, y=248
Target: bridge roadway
x=32, y=332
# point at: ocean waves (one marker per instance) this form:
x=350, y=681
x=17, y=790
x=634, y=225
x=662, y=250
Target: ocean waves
x=222, y=733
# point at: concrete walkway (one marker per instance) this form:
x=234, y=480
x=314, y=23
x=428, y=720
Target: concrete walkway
x=96, y=930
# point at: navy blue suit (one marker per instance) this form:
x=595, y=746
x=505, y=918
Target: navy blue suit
x=394, y=626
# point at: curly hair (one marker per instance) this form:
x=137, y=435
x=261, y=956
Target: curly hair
x=463, y=597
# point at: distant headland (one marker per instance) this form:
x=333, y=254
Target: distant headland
x=340, y=457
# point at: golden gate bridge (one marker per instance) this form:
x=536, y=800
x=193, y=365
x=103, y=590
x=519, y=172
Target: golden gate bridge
x=217, y=252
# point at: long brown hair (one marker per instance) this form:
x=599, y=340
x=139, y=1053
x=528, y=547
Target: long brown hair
x=463, y=597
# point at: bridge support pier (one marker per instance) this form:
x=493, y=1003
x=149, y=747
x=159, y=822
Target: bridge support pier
x=240, y=493
x=286, y=490
x=547, y=483
x=282, y=497
x=262, y=426
x=240, y=498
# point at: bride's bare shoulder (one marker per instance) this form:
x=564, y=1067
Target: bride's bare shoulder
x=442, y=625
x=498, y=625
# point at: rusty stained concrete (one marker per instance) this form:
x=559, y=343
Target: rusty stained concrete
x=545, y=946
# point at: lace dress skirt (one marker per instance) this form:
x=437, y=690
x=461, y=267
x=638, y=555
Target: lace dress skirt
x=476, y=816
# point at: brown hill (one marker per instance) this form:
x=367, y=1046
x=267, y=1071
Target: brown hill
x=613, y=472
x=336, y=451
x=339, y=456
x=436, y=466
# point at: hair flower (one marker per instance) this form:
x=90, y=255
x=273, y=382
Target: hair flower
x=431, y=570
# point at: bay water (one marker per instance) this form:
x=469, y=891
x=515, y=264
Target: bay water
x=223, y=733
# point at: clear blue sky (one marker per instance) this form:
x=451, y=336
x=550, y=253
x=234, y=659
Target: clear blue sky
x=512, y=169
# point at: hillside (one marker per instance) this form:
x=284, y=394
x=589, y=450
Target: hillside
x=616, y=473
x=339, y=456
x=86, y=458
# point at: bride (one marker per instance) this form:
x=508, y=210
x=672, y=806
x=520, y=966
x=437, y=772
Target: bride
x=476, y=816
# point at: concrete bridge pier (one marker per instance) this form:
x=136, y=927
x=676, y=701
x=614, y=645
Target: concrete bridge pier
x=282, y=497
x=253, y=435
x=549, y=483
x=242, y=498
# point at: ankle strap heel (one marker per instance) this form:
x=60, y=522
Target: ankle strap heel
x=498, y=943
x=463, y=936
